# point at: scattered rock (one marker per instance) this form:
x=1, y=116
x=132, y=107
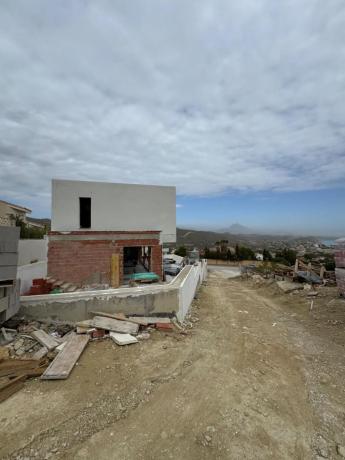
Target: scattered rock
x=288, y=286
x=341, y=450
x=321, y=447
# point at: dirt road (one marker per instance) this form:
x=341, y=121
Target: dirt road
x=258, y=377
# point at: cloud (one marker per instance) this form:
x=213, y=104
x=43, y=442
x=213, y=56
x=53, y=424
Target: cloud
x=207, y=96
x=178, y=205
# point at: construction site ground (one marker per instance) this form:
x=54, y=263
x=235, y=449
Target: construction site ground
x=258, y=376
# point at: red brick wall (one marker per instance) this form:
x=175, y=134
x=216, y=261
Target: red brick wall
x=88, y=261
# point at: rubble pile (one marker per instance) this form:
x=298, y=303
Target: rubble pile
x=50, y=351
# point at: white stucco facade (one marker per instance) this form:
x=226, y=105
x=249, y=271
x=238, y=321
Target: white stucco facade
x=115, y=207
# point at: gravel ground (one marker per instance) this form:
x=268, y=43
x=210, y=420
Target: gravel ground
x=258, y=376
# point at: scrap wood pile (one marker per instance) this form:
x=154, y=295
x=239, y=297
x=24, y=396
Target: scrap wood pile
x=35, y=349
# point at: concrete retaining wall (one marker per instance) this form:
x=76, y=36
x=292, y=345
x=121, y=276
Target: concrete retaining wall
x=174, y=298
x=32, y=250
x=188, y=287
x=26, y=273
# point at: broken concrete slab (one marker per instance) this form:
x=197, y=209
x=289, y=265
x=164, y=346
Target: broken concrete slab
x=288, y=286
x=146, y=320
x=120, y=317
x=122, y=339
x=40, y=353
x=45, y=339
x=114, y=325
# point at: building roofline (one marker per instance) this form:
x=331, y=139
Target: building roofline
x=16, y=206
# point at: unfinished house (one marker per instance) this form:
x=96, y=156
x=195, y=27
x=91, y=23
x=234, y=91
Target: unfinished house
x=102, y=233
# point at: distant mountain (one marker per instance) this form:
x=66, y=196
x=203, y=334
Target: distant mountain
x=201, y=238
x=237, y=229
x=43, y=221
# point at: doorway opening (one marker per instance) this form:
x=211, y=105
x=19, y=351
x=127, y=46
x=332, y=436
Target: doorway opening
x=136, y=259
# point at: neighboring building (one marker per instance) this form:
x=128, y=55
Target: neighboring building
x=9, y=212
x=93, y=221
x=9, y=285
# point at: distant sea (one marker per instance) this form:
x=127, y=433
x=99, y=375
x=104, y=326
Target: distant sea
x=328, y=242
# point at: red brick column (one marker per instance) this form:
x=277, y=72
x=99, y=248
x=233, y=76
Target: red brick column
x=157, y=260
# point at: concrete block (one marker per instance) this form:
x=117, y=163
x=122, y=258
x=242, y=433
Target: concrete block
x=122, y=339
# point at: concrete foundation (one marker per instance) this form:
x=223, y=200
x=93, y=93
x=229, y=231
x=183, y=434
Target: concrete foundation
x=174, y=298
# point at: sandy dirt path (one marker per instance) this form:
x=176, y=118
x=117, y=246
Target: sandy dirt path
x=247, y=383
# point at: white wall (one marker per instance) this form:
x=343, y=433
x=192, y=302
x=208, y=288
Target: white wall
x=175, y=297
x=115, y=207
x=196, y=275
x=29, y=250
x=26, y=273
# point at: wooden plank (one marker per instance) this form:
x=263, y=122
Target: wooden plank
x=45, y=339
x=115, y=325
x=119, y=316
x=115, y=271
x=11, y=387
x=64, y=362
x=13, y=366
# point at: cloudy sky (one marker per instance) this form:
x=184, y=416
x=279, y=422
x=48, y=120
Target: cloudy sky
x=235, y=102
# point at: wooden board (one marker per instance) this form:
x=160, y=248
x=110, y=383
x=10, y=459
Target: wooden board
x=15, y=366
x=11, y=387
x=45, y=339
x=64, y=362
x=119, y=316
x=115, y=271
x=115, y=325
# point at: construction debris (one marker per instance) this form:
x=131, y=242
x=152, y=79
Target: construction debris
x=64, y=362
x=45, y=339
x=287, y=286
x=122, y=339
x=164, y=326
x=114, y=325
x=146, y=320
x=51, y=351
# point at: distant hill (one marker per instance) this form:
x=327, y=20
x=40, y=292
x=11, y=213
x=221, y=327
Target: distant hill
x=237, y=229
x=201, y=238
x=43, y=221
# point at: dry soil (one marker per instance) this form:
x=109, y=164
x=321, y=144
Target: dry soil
x=258, y=376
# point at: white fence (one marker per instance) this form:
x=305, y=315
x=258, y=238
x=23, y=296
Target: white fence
x=32, y=251
x=26, y=273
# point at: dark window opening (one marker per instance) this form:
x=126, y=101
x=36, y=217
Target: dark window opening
x=85, y=212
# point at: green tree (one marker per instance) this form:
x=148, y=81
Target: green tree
x=286, y=256
x=244, y=253
x=181, y=251
x=27, y=232
x=266, y=254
